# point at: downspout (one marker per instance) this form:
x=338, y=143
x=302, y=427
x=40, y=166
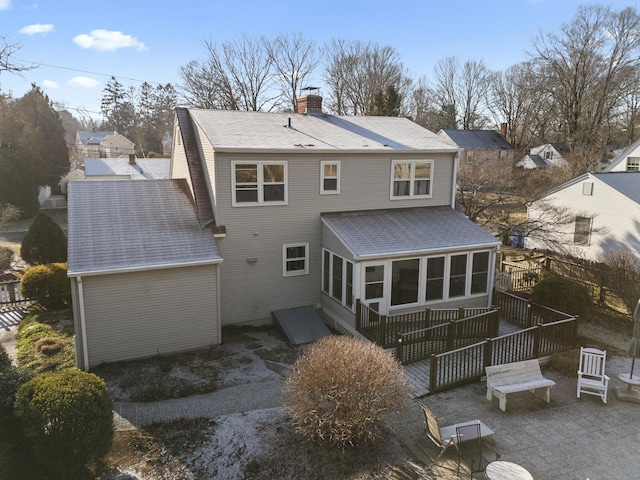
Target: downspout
x=218, y=308
x=454, y=176
x=83, y=324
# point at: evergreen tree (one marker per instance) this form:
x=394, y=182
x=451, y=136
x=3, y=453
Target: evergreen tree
x=45, y=242
x=33, y=151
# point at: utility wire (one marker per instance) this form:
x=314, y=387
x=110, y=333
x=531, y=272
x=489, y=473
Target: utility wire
x=93, y=73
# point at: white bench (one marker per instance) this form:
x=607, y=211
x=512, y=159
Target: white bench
x=516, y=377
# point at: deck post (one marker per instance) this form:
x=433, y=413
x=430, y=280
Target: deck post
x=433, y=367
x=536, y=340
x=488, y=353
x=358, y=315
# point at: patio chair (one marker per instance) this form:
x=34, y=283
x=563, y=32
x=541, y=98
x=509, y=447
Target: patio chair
x=453, y=435
x=591, y=376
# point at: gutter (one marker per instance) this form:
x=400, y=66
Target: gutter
x=143, y=268
x=463, y=248
x=83, y=324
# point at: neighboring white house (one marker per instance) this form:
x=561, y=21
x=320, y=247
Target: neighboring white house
x=542, y=156
x=606, y=210
x=628, y=160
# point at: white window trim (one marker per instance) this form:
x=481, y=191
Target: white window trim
x=343, y=302
x=422, y=293
x=322, y=177
x=411, y=179
x=259, y=165
x=295, y=273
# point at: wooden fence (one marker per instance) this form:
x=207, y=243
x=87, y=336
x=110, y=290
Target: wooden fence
x=10, y=293
x=554, y=331
x=385, y=329
x=517, y=279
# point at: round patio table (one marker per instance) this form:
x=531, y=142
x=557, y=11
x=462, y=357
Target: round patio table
x=500, y=470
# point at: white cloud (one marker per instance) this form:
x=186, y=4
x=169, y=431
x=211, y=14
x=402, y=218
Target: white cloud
x=5, y=4
x=49, y=84
x=107, y=41
x=84, y=82
x=36, y=28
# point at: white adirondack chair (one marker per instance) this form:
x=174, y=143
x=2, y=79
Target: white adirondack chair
x=591, y=376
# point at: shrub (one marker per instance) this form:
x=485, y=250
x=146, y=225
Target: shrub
x=47, y=284
x=49, y=345
x=67, y=417
x=6, y=254
x=340, y=388
x=45, y=242
x=562, y=294
x=11, y=378
x=31, y=331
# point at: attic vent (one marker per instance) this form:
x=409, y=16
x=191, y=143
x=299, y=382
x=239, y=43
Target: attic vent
x=587, y=188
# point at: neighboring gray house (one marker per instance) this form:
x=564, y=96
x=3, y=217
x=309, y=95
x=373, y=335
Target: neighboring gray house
x=487, y=147
x=127, y=168
x=144, y=273
x=606, y=207
x=103, y=144
x=320, y=210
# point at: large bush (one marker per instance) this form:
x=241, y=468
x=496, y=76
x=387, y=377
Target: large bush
x=340, y=389
x=67, y=417
x=45, y=242
x=47, y=284
x=562, y=294
x=11, y=378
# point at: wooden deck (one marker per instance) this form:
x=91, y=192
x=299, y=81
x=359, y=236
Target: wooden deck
x=417, y=373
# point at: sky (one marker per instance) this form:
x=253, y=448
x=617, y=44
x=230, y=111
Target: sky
x=79, y=45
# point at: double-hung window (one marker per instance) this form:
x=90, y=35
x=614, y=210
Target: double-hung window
x=411, y=178
x=582, y=232
x=633, y=164
x=295, y=259
x=329, y=178
x=259, y=183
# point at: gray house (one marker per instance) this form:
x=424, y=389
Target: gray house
x=306, y=209
x=144, y=274
x=319, y=210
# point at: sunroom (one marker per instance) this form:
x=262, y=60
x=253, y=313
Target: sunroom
x=398, y=261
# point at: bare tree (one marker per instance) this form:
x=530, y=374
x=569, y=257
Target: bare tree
x=445, y=73
x=461, y=91
x=8, y=213
x=356, y=72
x=294, y=60
x=516, y=98
x=481, y=191
x=621, y=274
x=8, y=62
x=552, y=226
x=236, y=75
x=590, y=65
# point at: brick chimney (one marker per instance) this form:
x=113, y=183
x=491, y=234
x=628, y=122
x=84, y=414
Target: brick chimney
x=132, y=159
x=503, y=130
x=310, y=104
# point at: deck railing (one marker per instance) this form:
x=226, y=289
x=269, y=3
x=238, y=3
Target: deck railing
x=524, y=313
x=421, y=344
x=385, y=329
x=466, y=364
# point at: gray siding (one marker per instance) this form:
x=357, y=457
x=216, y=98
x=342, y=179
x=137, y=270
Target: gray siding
x=141, y=314
x=250, y=291
x=332, y=243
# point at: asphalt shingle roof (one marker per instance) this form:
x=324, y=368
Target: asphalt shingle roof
x=627, y=183
x=239, y=130
x=404, y=231
x=478, y=139
x=145, y=168
x=128, y=224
